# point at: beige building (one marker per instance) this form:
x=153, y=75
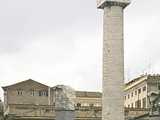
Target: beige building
x=137, y=91
x=32, y=100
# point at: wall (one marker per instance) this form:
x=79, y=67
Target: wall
x=132, y=95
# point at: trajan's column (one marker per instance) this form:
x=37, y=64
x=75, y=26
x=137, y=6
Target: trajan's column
x=113, y=59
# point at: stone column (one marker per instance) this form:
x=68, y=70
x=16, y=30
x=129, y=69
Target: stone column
x=64, y=103
x=113, y=59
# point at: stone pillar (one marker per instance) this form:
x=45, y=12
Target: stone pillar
x=113, y=59
x=64, y=103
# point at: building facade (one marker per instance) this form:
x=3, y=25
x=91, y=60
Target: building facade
x=32, y=100
x=137, y=91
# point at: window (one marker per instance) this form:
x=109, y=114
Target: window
x=128, y=106
x=138, y=104
x=136, y=92
x=54, y=104
x=32, y=92
x=40, y=93
x=158, y=87
x=144, y=102
x=78, y=104
x=43, y=93
x=125, y=97
x=144, y=88
x=19, y=92
x=128, y=96
x=91, y=105
x=139, y=90
x=132, y=105
x=132, y=94
x=47, y=110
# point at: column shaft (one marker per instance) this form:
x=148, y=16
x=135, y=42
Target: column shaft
x=113, y=64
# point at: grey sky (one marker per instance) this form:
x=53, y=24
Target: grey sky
x=60, y=42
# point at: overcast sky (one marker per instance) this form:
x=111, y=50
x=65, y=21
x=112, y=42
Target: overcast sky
x=60, y=42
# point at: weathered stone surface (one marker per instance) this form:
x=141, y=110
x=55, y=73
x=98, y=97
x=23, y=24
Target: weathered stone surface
x=103, y=3
x=113, y=73
x=64, y=98
x=113, y=59
x=65, y=115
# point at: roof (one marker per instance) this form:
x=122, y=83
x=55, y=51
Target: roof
x=135, y=80
x=78, y=93
x=24, y=82
x=140, y=79
x=148, y=76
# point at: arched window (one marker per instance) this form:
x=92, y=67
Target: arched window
x=78, y=104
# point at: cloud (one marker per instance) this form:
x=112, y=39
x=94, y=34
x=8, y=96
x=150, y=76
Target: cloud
x=141, y=38
x=60, y=42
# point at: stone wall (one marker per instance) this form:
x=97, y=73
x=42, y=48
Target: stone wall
x=82, y=113
x=133, y=95
x=40, y=113
x=27, y=92
x=131, y=113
